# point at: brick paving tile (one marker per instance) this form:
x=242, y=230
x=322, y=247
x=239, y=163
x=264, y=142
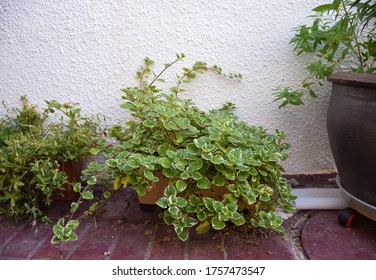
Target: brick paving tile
x=96, y=243
x=166, y=245
x=133, y=242
x=258, y=248
x=8, y=230
x=208, y=246
x=125, y=232
x=324, y=238
x=26, y=242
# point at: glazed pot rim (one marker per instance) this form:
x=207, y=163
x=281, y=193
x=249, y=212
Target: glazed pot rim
x=354, y=79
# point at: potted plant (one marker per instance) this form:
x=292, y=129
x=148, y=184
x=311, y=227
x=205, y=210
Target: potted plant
x=36, y=149
x=74, y=135
x=342, y=38
x=214, y=169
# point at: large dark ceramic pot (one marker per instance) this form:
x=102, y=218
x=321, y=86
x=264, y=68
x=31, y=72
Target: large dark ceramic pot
x=351, y=127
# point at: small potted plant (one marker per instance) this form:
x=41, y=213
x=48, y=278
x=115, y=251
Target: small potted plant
x=207, y=169
x=73, y=136
x=36, y=149
x=342, y=39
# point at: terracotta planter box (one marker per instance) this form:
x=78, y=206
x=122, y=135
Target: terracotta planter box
x=155, y=192
x=73, y=170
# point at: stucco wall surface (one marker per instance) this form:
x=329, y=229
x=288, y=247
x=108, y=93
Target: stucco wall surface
x=85, y=51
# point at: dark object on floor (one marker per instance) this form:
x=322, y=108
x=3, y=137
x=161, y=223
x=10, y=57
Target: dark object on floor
x=347, y=217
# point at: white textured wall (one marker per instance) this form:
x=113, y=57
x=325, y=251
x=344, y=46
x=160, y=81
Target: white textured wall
x=86, y=51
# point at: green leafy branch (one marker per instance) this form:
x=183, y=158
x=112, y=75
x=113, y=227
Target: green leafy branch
x=64, y=231
x=341, y=36
x=188, y=73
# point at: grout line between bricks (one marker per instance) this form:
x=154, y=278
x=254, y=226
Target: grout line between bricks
x=37, y=247
x=295, y=241
x=113, y=245
x=72, y=250
x=224, y=247
x=186, y=249
x=149, y=248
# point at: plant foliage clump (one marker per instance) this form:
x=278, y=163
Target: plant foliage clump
x=342, y=36
x=33, y=147
x=219, y=170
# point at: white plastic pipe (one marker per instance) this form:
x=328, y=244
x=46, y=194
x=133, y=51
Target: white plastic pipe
x=319, y=199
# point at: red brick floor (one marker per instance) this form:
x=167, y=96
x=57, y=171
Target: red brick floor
x=123, y=231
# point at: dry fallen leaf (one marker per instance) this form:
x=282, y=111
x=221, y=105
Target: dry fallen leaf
x=166, y=239
x=148, y=232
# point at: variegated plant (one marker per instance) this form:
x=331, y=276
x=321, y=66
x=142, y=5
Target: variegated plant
x=200, y=153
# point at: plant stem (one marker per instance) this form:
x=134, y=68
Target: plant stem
x=78, y=203
x=186, y=74
x=205, y=68
x=166, y=67
x=357, y=49
x=142, y=77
